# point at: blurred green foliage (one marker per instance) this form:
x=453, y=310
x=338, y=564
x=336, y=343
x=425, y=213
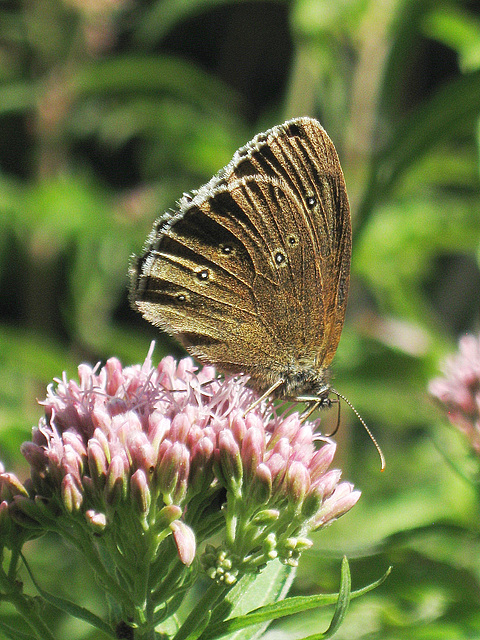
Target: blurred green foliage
x=110, y=109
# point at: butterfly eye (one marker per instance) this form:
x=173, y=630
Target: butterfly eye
x=203, y=274
x=311, y=201
x=279, y=257
x=292, y=240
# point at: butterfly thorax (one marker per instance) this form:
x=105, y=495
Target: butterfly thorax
x=298, y=383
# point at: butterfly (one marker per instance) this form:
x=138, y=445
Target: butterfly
x=251, y=272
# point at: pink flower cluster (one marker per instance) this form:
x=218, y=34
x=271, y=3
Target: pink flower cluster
x=149, y=450
x=459, y=389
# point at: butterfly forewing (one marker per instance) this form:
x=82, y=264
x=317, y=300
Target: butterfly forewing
x=252, y=272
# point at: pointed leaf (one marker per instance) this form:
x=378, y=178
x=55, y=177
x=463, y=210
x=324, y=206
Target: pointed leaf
x=296, y=604
x=341, y=606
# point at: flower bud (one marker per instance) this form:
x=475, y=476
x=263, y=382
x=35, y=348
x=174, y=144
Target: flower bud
x=312, y=503
x=96, y=520
x=141, y=453
x=72, y=464
x=285, y=430
x=140, y=491
x=230, y=461
x=238, y=427
x=74, y=441
x=341, y=500
x=253, y=449
x=327, y=483
x=115, y=376
x=201, y=465
x=35, y=455
x=102, y=440
x=321, y=460
x=298, y=482
x=10, y=486
x=158, y=426
x=116, y=481
x=180, y=427
x=292, y=549
x=97, y=464
x=167, y=515
x=71, y=495
x=277, y=465
x=6, y=523
x=101, y=420
x=302, y=443
x=270, y=546
x=266, y=517
x=261, y=485
x=173, y=471
x=167, y=372
x=185, y=541
x=185, y=368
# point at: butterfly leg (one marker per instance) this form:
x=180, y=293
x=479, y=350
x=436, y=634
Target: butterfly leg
x=264, y=396
x=318, y=403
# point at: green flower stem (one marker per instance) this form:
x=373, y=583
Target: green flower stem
x=169, y=582
x=25, y=606
x=232, y=516
x=12, y=569
x=199, y=616
x=143, y=612
x=144, y=633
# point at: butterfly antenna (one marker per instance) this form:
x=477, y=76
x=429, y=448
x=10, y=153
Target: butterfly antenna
x=372, y=437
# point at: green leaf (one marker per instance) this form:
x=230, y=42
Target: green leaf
x=448, y=112
x=402, y=48
x=15, y=634
x=271, y=585
x=293, y=605
x=342, y=603
x=130, y=74
x=458, y=29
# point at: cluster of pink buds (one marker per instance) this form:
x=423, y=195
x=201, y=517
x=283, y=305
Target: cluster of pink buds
x=129, y=460
x=459, y=389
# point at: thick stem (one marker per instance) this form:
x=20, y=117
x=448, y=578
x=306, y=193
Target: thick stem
x=200, y=615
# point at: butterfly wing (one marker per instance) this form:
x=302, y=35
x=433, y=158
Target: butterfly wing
x=302, y=157
x=252, y=272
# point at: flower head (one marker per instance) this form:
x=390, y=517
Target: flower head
x=139, y=454
x=459, y=389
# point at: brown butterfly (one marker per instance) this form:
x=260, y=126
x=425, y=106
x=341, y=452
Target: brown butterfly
x=251, y=273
